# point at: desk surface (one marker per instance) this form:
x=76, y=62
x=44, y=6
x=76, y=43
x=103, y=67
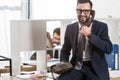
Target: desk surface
x=13, y=78
x=115, y=75
x=115, y=78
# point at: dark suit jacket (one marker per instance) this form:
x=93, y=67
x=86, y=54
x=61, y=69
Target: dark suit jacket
x=99, y=45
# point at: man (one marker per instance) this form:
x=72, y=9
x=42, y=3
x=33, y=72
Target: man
x=54, y=43
x=56, y=36
x=88, y=62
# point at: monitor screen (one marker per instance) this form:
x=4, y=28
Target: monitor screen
x=28, y=35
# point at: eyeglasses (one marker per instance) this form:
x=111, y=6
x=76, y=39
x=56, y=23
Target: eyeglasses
x=85, y=11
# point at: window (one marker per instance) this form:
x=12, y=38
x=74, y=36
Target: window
x=9, y=10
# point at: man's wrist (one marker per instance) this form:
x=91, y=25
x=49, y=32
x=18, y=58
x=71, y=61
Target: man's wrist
x=90, y=35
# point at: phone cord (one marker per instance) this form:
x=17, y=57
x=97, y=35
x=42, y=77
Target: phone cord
x=53, y=75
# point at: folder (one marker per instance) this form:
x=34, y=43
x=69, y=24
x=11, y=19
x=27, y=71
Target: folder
x=113, y=58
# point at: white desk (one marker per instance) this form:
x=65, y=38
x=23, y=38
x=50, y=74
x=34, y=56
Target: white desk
x=115, y=74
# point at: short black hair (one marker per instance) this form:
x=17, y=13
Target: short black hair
x=85, y=1
x=57, y=30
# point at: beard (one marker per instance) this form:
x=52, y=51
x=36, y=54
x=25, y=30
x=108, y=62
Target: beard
x=83, y=19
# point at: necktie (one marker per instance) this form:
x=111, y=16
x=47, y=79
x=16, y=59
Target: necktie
x=86, y=55
x=80, y=48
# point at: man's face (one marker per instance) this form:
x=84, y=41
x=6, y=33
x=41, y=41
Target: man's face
x=83, y=12
x=56, y=39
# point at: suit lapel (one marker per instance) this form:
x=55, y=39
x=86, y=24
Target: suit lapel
x=94, y=28
x=76, y=27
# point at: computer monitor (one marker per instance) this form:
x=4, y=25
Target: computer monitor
x=29, y=35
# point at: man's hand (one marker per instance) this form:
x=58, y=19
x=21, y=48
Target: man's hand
x=86, y=30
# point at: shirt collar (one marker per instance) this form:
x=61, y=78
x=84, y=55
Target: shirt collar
x=79, y=25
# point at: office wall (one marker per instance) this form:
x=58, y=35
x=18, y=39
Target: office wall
x=107, y=8
x=66, y=9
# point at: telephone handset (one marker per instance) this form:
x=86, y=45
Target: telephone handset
x=92, y=15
